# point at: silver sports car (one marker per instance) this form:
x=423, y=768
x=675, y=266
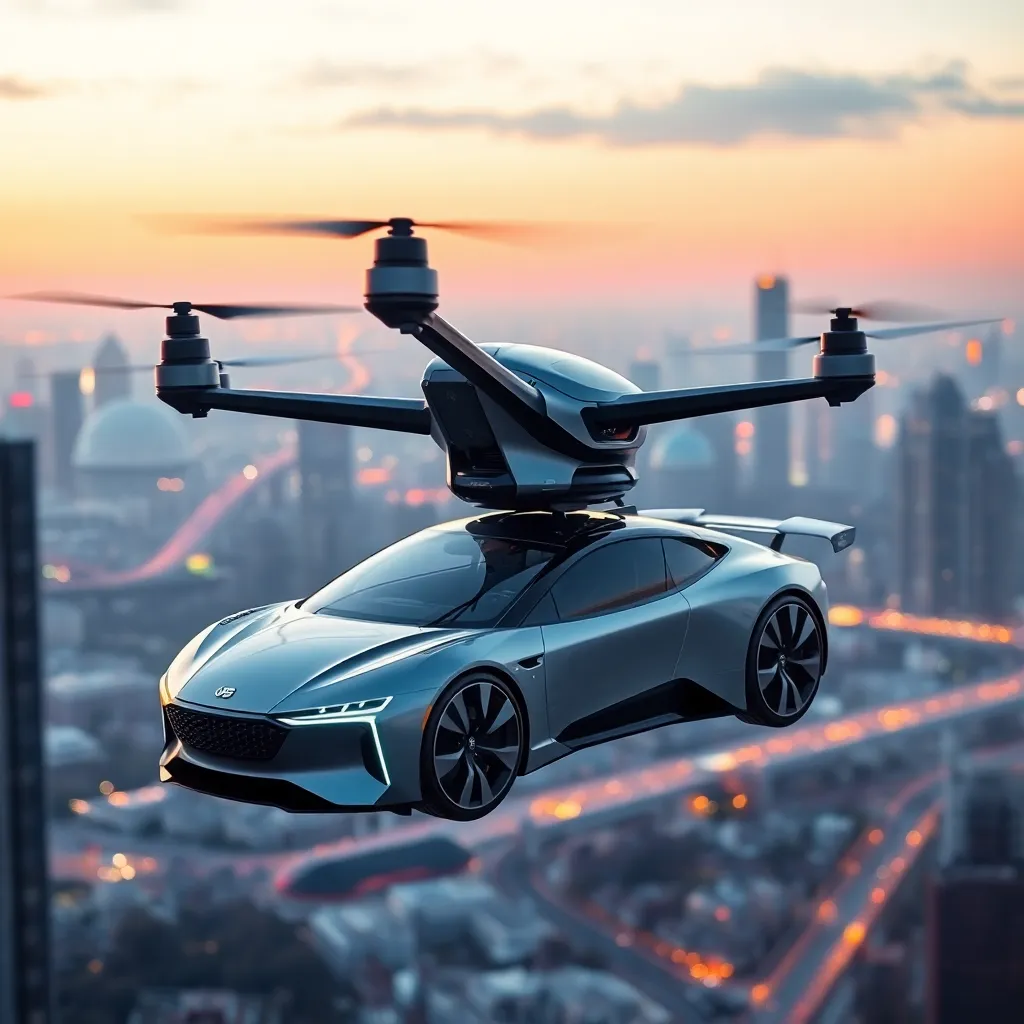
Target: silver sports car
x=432, y=674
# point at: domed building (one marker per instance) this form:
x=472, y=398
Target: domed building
x=135, y=452
x=693, y=466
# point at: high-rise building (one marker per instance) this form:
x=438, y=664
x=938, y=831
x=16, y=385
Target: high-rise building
x=25, y=995
x=113, y=380
x=67, y=411
x=992, y=521
x=976, y=906
x=771, y=438
x=328, y=517
x=957, y=497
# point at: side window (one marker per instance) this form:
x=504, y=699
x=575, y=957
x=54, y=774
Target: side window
x=617, y=576
x=543, y=613
x=687, y=560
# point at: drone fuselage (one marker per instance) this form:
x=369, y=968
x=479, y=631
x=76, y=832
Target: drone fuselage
x=496, y=462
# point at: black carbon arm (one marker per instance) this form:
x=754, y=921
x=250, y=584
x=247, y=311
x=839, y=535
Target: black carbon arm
x=407, y=415
x=663, y=406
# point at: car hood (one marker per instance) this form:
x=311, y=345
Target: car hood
x=265, y=658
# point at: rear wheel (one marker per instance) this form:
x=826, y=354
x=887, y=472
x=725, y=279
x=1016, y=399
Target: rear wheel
x=472, y=748
x=784, y=662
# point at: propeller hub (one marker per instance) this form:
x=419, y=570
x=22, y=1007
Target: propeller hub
x=181, y=307
x=401, y=227
x=843, y=319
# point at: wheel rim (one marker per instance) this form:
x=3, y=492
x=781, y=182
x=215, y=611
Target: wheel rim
x=476, y=746
x=789, y=659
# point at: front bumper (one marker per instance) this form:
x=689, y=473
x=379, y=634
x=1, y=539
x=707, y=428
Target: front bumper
x=361, y=765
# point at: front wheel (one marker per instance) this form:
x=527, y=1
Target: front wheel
x=784, y=662
x=472, y=748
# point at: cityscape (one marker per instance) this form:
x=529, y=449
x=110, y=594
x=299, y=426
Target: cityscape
x=862, y=866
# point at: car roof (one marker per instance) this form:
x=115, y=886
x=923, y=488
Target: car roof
x=562, y=530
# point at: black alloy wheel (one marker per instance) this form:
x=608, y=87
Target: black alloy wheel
x=784, y=662
x=472, y=748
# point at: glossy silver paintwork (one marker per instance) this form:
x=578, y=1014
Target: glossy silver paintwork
x=282, y=660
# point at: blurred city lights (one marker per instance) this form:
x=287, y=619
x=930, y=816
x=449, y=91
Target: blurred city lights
x=973, y=352
x=886, y=430
x=250, y=472
x=87, y=380
x=199, y=564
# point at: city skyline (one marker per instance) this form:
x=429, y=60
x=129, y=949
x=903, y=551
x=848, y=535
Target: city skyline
x=878, y=154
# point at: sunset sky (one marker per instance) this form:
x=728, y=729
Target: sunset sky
x=869, y=149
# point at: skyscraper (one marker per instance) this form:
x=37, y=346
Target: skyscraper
x=113, y=380
x=771, y=438
x=67, y=410
x=957, y=499
x=325, y=469
x=25, y=996
x=976, y=906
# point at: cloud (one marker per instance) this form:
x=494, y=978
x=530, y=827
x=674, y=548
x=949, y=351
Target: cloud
x=14, y=88
x=329, y=73
x=781, y=102
x=326, y=74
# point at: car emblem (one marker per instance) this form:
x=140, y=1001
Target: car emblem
x=224, y=692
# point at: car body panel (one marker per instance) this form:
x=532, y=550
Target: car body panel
x=592, y=663
x=279, y=668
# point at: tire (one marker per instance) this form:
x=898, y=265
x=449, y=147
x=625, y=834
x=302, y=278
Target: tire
x=472, y=748
x=785, y=661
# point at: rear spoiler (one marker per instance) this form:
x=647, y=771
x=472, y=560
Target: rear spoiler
x=838, y=535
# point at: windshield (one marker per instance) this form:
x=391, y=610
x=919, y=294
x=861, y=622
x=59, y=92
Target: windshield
x=435, y=578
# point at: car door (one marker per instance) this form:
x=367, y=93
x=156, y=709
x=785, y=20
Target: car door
x=613, y=631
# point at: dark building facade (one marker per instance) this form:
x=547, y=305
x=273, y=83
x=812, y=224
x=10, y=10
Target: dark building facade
x=25, y=995
x=957, y=515
x=771, y=439
x=328, y=515
x=67, y=411
x=975, y=919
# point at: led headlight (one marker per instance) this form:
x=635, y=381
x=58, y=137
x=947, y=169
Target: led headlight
x=353, y=710
x=362, y=712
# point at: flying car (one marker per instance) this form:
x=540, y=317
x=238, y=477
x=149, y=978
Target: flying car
x=432, y=674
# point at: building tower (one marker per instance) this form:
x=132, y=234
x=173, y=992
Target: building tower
x=325, y=472
x=957, y=497
x=771, y=438
x=25, y=994
x=976, y=905
x=113, y=379
x=67, y=410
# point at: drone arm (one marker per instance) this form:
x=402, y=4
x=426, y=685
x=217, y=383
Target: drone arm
x=480, y=368
x=407, y=415
x=663, y=406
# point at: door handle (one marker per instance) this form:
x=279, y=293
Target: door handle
x=533, y=661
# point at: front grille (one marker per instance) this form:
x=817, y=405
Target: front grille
x=245, y=739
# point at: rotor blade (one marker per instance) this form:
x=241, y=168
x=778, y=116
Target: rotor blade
x=332, y=228
x=225, y=312
x=885, y=309
x=503, y=232
x=768, y=345
x=272, y=226
x=79, y=299
x=909, y=332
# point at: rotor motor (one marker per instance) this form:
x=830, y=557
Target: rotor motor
x=401, y=287
x=185, y=354
x=844, y=349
